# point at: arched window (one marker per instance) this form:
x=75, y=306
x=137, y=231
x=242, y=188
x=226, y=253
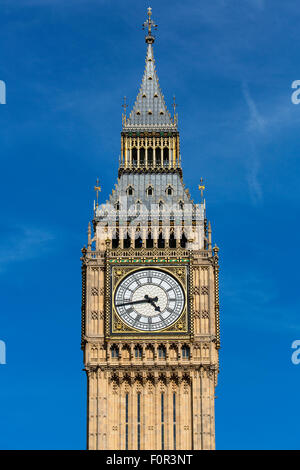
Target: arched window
x=115, y=240
x=160, y=241
x=117, y=206
x=169, y=190
x=134, y=156
x=166, y=156
x=158, y=156
x=162, y=352
x=149, y=241
x=138, y=242
x=172, y=241
x=114, y=351
x=127, y=241
x=142, y=156
x=183, y=241
x=130, y=191
x=138, y=352
x=185, y=352
x=150, y=156
x=149, y=191
x=181, y=204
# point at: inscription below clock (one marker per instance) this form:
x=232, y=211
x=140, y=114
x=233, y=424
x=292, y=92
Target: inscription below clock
x=149, y=300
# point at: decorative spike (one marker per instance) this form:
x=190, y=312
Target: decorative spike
x=201, y=188
x=209, y=236
x=89, y=236
x=97, y=188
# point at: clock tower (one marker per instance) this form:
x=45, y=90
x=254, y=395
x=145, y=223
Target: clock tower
x=150, y=302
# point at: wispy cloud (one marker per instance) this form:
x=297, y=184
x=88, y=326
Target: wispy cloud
x=253, y=178
x=256, y=121
x=256, y=124
x=267, y=307
x=42, y=3
x=260, y=4
x=24, y=243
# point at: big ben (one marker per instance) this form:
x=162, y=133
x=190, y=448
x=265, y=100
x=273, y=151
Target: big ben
x=150, y=301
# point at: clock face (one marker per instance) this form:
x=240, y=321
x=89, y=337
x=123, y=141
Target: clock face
x=149, y=300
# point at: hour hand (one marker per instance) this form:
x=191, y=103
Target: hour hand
x=156, y=307
x=149, y=299
x=152, y=302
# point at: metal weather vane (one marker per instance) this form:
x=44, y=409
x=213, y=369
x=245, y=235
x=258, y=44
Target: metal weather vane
x=201, y=187
x=149, y=24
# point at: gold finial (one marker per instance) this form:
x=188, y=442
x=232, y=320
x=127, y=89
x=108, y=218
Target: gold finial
x=97, y=188
x=149, y=24
x=201, y=187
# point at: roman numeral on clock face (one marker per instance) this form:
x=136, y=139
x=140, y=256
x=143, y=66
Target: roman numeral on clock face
x=137, y=318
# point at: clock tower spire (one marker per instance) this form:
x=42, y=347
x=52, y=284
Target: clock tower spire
x=150, y=302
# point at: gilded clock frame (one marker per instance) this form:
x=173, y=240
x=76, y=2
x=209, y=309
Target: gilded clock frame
x=117, y=270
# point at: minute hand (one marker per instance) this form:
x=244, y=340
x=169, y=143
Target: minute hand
x=135, y=302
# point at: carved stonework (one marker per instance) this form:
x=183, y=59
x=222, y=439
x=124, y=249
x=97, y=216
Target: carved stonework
x=94, y=315
x=101, y=315
x=205, y=314
x=204, y=290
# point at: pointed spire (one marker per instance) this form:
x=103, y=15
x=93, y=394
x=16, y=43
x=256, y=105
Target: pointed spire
x=149, y=111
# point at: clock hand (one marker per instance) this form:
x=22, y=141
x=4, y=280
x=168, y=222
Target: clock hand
x=134, y=302
x=155, y=299
x=146, y=299
x=156, y=307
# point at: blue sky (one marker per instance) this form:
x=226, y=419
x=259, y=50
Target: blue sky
x=67, y=66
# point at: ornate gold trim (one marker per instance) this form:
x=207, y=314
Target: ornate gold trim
x=116, y=327
x=217, y=302
x=83, y=303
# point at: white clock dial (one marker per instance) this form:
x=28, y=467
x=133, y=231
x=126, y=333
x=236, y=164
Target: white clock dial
x=149, y=300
